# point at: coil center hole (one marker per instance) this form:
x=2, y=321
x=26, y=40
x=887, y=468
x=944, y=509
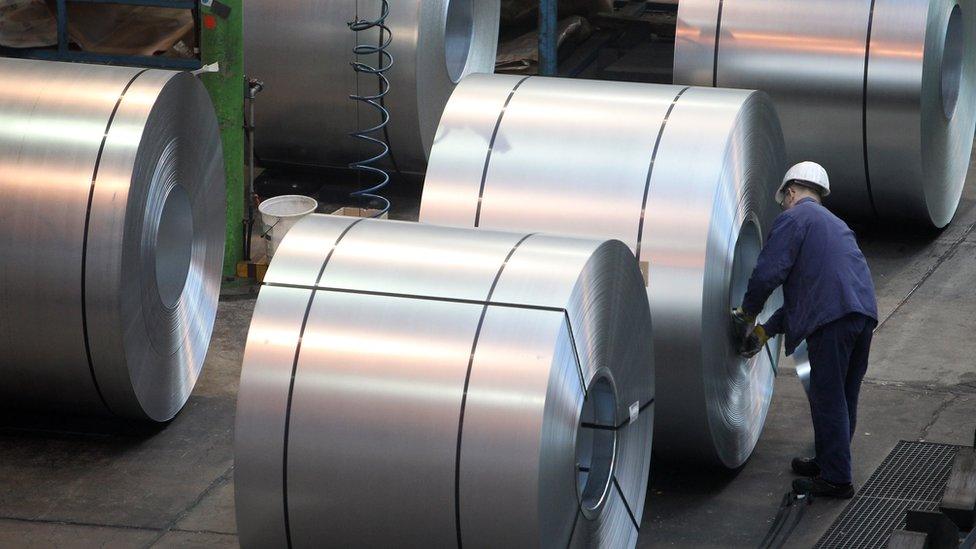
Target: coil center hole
x=458, y=35
x=174, y=246
x=596, y=446
x=746, y=255
x=952, y=58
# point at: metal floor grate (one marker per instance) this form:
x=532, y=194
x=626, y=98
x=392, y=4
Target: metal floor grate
x=913, y=476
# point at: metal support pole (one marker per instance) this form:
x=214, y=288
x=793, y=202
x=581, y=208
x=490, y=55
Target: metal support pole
x=254, y=87
x=62, y=8
x=548, y=37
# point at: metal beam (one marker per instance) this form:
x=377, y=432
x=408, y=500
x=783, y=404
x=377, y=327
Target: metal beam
x=548, y=37
x=175, y=4
x=156, y=62
x=65, y=53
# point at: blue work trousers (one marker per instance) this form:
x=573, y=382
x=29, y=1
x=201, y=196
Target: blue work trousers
x=838, y=361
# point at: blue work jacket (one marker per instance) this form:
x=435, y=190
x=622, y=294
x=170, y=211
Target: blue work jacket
x=815, y=257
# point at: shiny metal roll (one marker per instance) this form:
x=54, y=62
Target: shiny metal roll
x=112, y=215
x=800, y=360
x=302, y=50
x=684, y=176
x=881, y=92
x=407, y=385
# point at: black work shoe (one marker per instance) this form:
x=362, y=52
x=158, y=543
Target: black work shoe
x=819, y=487
x=805, y=467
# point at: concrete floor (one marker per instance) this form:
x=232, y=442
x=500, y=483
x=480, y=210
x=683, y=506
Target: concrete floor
x=84, y=483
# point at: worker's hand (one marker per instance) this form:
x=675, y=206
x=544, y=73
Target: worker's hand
x=742, y=323
x=754, y=342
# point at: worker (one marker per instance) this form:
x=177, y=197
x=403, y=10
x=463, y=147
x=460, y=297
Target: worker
x=830, y=302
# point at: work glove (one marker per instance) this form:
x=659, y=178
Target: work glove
x=742, y=324
x=754, y=341
x=742, y=319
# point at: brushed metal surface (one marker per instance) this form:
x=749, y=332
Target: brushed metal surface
x=111, y=193
x=859, y=86
x=683, y=176
x=276, y=329
x=445, y=392
x=302, y=50
x=800, y=360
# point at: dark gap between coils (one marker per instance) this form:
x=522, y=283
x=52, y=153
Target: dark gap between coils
x=84, y=245
x=650, y=170
x=491, y=148
x=291, y=382
x=864, y=110
x=718, y=43
x=467, y=381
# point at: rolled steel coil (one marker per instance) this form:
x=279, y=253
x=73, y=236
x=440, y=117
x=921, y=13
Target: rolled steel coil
x=684, y=176
x=800, y=360
x=881, y=92
x=112, y=211
x=416, y=386
x=302, y=50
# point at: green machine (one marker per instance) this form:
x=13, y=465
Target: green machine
x=222, y=42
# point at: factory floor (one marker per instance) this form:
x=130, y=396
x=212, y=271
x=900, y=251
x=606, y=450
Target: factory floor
x=85, y=483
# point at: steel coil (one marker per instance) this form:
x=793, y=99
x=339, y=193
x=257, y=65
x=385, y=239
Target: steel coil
x=302, y=50
x=112, y=211
x=800, y=360
x=479, y=388
x=684, y=176
x=881, y=92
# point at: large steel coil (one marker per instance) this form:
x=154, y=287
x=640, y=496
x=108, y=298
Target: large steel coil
x=684, y=176
x=302, y=50
x=881, y=92
x=407, y=385
x=112, y=215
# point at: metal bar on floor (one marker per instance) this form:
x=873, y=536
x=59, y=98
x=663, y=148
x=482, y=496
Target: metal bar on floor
x=548, y=37
x=970, y=541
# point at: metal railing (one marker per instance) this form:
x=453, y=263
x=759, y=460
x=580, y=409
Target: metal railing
x=63, y=52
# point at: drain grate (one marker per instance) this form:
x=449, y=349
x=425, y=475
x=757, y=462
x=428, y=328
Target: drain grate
x=913, y=476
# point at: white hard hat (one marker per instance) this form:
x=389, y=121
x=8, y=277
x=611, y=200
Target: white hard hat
x=809, y=173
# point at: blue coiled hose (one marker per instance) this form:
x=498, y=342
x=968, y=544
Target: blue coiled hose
x=384, y=64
